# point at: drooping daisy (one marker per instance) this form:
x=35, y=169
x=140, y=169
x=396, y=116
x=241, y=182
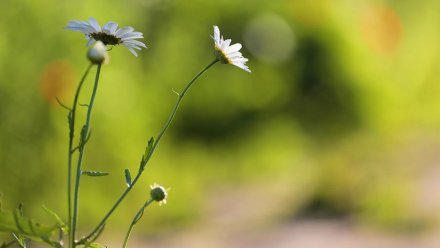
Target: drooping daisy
x=109, y=34
x=229, y=54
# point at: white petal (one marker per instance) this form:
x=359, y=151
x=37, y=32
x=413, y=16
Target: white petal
x=234, y=48
x=110, y=27
x=133, y=51
x=132, y=46
x=240, y=60
x=242, y=66
x=123, y=31
x=234, y=55
x=135, y=42
x=226, y=43
x=132, y=35
x=94, y=23
x=216, y=34
x=91, y=41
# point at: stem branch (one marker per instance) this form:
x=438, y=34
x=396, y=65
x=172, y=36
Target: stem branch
x=72, y=115
x=84, y=134
x=145, y=161
x=136, y=218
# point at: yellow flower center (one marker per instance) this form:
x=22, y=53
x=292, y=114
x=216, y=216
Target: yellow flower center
x=221, y=56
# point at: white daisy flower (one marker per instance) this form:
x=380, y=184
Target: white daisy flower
x=229, y=54
x=109, y=34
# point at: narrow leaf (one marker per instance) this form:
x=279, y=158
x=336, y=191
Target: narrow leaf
x=147, y=154
x=61, y=223
x=128, y=177
x=149, y=147
x=94, y=173
x=96, y=245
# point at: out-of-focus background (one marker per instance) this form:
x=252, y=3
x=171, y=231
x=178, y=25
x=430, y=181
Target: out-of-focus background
x=332, y=139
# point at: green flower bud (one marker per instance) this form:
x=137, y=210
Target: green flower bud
x=158, y=193
x=98, y=54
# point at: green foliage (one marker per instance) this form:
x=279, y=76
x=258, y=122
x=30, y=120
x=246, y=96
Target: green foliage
x=24, y=228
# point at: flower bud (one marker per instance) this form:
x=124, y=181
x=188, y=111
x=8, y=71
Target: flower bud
x=158, y=193
x=98, y=54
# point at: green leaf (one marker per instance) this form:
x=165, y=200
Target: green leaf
x=128, y=177
x=147, y=154
x=60, y=222
x=14, y=222
x=96, y=245
x=22, y=241
x=94, y=173
x=149, y=147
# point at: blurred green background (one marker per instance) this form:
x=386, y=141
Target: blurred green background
x=339, y=118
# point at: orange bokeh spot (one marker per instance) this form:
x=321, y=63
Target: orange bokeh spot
x=56, y=81
x=381, y=28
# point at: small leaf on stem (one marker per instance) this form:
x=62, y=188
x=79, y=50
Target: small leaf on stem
x=62, y=225
x=147, y=154
x=94, y=173
x=149, y=147
x=128, y=177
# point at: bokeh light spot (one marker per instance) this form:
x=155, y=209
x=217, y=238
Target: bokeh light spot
x=56, y=81
x=381, y=28
x=269, y=38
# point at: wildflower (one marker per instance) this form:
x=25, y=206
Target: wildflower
x=159, y=193
x=109, y=34
x=229, y=54
x=98, y=54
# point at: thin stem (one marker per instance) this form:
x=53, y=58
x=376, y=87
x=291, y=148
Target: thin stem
x=84, y=134
x=136, y=218
x=179, y=99
x=72, y=115
x=144, y=162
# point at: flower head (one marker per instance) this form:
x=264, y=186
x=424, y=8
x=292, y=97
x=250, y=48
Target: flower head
x=109, y=34
x=229, y=54
x=98, y=54
x=159, y=193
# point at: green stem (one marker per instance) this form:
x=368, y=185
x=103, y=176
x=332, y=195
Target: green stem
x=85, y=134
x=72, y=115
x=136, y=218
x=164, y=129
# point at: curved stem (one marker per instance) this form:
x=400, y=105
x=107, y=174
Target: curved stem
x=72, y=115
x=179, y=99
x=145, y=161
x=136, y=218
x=84, y=135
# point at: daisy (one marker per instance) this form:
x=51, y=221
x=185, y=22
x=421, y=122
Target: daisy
x=229, y=54
x=109, y=34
